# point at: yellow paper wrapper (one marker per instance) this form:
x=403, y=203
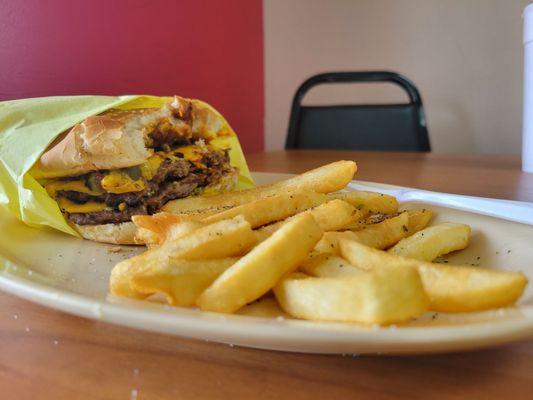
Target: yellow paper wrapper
x=28, y=126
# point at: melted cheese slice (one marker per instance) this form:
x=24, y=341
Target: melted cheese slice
x=71, y=207
x=191, y=153
x=120, y=182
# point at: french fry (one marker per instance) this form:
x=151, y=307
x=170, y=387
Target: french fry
x=325, y=265
x=221, y=239
x=369, y=202
x=383, y=296
x=146, y=237
x=380, y=236
x=159, y=222
x=384, y=234
x=329, y=243
x=330, y=216
x=325, y=179
x=369, y=220
x=155, y=229
x=258, y=271
x=182, y=281
x=432, y=242
x=265, y=307
x=418, y=220
x=449, y=288
x=272, y=208
x=334, y=215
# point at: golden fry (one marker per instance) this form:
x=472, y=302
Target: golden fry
x=433, y=242
x=222, y=239
x=369, y=202
x=182, y=281
x=369, y=220
x=258, y=271
x=383, y=296
x=449, y=288
x=272, y=208
x=330, y=216
x=325, y=179
x=147, y=237
x=418, y=220
x=265, y=307
x=380, y=236
x=327, y=265
x=155, y=229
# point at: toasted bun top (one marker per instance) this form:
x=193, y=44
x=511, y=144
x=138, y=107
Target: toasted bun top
x=120, y=139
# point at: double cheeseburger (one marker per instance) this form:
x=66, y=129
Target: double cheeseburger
x=123, y=163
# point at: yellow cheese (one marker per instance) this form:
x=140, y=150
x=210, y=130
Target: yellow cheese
x=71, y=207
x=192, y=153
x=77, y=186
x=120, y=182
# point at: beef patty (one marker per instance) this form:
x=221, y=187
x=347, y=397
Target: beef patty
x=174, y=179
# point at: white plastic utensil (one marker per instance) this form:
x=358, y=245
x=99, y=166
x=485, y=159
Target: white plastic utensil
x=510, y=210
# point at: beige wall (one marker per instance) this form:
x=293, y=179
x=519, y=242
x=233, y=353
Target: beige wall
x=465, y=56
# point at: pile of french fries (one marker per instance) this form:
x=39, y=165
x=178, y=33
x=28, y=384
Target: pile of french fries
x=324, y=254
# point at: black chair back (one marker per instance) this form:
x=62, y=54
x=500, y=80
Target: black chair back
x=387, y=127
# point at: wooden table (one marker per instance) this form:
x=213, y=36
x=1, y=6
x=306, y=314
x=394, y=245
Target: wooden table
x=45, y=354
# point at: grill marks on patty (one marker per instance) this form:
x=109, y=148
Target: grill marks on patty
x=172, y=169
x=174, y=179
x=110, y=199
x=171, y=191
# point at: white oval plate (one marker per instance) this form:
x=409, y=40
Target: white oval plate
x=70, y=274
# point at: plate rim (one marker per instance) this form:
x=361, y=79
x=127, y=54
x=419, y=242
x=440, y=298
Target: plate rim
x=397, y=340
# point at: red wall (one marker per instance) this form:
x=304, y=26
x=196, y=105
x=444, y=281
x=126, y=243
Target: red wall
x=209, y=49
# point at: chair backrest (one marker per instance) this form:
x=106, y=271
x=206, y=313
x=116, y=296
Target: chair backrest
x=393, y=127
